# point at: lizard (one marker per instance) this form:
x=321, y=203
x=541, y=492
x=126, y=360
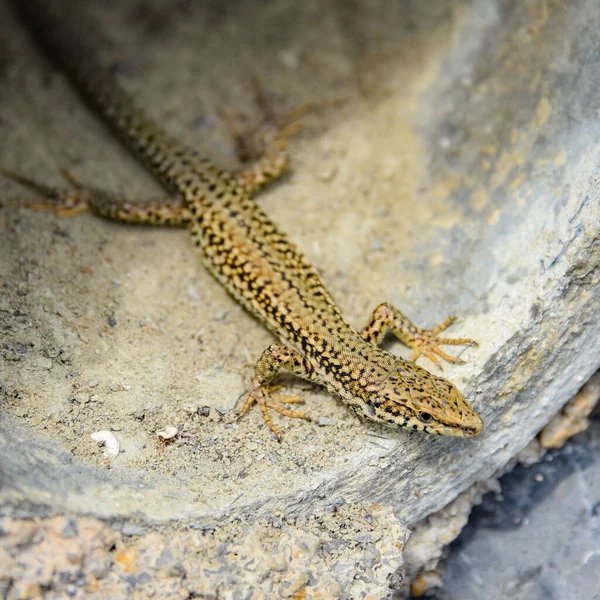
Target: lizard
x=259, y=266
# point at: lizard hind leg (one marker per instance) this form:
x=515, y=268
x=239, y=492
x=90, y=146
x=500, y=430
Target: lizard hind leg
x=275, y=358
x=420, y=341
x=262, y=149
x=67, y=202
x=64, y=202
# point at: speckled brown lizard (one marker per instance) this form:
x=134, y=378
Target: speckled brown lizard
x=245, y=251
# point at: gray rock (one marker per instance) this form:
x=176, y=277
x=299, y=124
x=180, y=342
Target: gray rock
x=547, y=515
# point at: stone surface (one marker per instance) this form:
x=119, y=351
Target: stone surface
x=430, y=539
x=350, y=551
x=574, y=417
x=450, y=167
x=547, y=516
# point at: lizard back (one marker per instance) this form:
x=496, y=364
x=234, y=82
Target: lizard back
x=239, y=243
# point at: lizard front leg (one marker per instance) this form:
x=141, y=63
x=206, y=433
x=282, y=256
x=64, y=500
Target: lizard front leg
x=420, y=341
x=275, y=358
x=66, y=202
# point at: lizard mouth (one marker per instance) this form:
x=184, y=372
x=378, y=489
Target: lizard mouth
x=462, y=429
x=474, y=428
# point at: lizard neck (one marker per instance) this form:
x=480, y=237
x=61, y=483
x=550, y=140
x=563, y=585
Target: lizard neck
x=345, y=361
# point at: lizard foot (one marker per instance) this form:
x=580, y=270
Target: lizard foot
x=425, y=341
x=64, y=202
x=262, y=149
x=261, y=395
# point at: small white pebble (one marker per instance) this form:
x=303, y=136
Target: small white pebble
x=108, y=440
x=327, y=173
x=192, y=292
x=326, y=422
x=168, y=434
x=42, y=362
x=272, y=457
x=445, y=143
x=289, y=58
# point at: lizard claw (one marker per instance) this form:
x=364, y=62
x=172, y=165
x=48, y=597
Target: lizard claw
x=261, y=395
x=426, y=342
x=64, y=202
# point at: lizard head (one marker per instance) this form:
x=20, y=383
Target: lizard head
x=412, y=398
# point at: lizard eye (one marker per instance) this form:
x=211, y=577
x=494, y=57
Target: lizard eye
x=424, y=417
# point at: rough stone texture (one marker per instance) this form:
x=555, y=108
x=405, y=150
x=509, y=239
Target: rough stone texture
x=574, y=417
x=547, y=516
x=340, y=553
x=424, y=556
x=450, y=167
x=431, y=537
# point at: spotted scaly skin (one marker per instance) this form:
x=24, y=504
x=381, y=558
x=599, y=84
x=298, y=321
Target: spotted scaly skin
x=262, y=269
